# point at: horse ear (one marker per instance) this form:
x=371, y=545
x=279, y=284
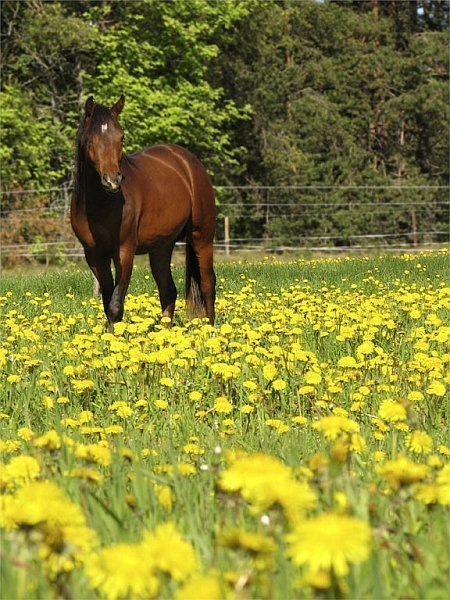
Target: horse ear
x=89, y=106
x=118, y=106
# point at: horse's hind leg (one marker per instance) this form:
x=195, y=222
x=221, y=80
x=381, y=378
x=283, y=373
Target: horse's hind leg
x=160, y=265
x=203, y=253
x=208, y=281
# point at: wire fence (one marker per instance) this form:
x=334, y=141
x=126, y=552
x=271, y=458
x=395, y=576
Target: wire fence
x=255, y=217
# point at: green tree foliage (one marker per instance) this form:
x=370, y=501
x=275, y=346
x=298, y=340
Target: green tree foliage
x=338, y=100
x=42, y=53
x=326, y=96
x=158, y=53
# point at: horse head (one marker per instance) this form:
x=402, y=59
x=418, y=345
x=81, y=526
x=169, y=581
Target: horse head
x=101, y=141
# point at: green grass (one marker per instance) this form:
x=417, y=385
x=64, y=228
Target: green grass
x=269, y=275
x=299, y=319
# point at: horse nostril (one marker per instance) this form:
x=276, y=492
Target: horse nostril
x=119, y=178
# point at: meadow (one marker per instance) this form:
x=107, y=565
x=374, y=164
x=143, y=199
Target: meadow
x=298, y=449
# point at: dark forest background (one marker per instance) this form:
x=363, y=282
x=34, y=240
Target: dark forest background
x=321, y=123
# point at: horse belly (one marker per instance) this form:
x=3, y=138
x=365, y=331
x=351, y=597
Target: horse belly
x=161, y=224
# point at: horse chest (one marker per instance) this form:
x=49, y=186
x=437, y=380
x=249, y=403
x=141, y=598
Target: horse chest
x=102, y=234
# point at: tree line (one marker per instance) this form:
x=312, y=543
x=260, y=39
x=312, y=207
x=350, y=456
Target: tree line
x=319, y=121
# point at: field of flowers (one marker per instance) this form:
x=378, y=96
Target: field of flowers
x=299, y=449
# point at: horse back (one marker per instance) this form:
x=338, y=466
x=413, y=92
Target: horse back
x=170, y=191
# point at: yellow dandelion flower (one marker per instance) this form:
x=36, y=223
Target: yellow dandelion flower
x=437, y=388
x=392, y=411
x=434, y=461
x=347, y=362
x=339, y=450
x=319, y=580
x=166, y=549
x=278, y=425
x=419, y=442
x=299, y=420
x=225, y=370
x=47, y=401
x=427, y=493
x=94, y=453
x=329, y=543
x=278, y=385
x=222, y=405
x=64, y=538
x=193, y=449
x=263, y=481
x=195, y=396
x=113, y=429
x=162, y=404
x=357, y=443
x=366, y=348
x=50, y=440
x=122, y=570
x=270, y=371
x=379, y=455
x=85, y=473
x=166, y=497
x=201, y=587
x=400, y=426
x=443, y=481
x=124, y=411
x=306, y=389
x=81, y=385
x=402, y=471
x=20, y=470
x=226, y=329
x=342, y=502
x=333, y=425
x=415, y=396
x=313, y=377
x=25, y=433
x=85, y=416
x=233, y=537
x=9, y=446
x=186, y=468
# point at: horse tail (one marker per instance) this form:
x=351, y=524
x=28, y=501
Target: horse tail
x=194, y=299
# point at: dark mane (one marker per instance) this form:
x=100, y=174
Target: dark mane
x=79, y=161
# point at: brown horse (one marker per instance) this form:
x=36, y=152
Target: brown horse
x=127, y=204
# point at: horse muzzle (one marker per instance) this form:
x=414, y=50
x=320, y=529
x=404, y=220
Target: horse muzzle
x=111, y=183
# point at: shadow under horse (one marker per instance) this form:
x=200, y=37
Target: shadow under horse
x=128, y=204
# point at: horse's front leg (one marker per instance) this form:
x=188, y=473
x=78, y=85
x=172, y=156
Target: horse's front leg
x=124, y=267
x=101, y=267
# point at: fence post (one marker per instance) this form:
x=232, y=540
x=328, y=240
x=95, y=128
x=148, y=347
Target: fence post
x=414, y=228
x=95, y=287
x=226, y=226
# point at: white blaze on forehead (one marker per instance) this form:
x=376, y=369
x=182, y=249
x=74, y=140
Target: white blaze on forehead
x=104, y=127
